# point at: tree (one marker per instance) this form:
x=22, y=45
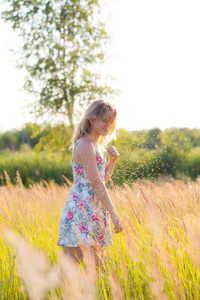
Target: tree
x=176, y=138
x=153, y=138
x=55, y=138
x=62, y=42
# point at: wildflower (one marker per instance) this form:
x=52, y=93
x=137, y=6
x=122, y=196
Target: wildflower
x=58, y=243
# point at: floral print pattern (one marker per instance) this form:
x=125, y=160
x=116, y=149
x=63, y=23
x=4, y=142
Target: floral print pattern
x=69, y=215
x=84, y=219
x=98, y=159
x=79, y=171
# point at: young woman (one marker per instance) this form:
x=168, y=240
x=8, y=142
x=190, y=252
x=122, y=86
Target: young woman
x=85, y=217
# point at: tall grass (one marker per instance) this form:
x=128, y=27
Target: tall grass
x=156, y=256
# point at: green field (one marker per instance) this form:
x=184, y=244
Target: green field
x=156, y=256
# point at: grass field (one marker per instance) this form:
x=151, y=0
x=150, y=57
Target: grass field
x=156, y=257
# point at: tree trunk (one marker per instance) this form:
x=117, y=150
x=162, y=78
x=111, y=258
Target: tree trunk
x=70, y=112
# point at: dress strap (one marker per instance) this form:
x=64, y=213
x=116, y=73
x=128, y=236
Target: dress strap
x=75, y=147
x=100, y=154
x=74, y=150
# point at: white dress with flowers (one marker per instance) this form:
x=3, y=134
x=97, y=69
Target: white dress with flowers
x=84, y=219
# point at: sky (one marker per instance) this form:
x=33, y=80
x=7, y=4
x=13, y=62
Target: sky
x=155, y=58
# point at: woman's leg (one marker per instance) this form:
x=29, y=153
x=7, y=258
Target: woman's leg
x=98, y=255
x=75, y=253
x=69, y=270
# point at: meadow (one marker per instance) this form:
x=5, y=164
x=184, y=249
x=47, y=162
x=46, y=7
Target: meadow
x=155, y=257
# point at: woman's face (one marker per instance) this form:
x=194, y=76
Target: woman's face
x=103, y=125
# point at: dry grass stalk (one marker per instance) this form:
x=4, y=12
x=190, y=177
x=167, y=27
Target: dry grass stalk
x=157, y=285
x=116, y=290
x=193, y=234
x=78, y=283
x=166, y=262
x=7, y=178
x=129, y=201
x=132, y=247
x=39, y=277
x=19, y=181
x=67, y=180
x=153, y=214
x=197, y=194
x=11, y=274
x=33, y=267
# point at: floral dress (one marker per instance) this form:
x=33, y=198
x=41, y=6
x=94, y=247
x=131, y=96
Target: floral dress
x=84, y=219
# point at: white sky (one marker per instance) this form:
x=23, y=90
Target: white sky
x=156, y=59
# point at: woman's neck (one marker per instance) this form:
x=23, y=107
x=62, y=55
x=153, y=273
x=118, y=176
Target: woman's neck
x=94, y=138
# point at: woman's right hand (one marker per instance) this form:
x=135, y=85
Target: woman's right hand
x=117, y=221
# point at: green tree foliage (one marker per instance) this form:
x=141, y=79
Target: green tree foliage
x=63, y=41
x=42, y=137
x=182, y=138
x=55, y=138
x=150, y=153
x=10, y=140
x=152, y=138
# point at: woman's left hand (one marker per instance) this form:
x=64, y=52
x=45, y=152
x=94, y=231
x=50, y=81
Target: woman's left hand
x=112, y=152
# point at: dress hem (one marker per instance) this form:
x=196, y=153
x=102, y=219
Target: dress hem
x=84, y=245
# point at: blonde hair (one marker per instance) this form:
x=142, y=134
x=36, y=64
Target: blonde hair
x=96, y=110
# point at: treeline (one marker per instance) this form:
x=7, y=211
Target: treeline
x=58, y=137
x=39, y=137
x=147, y=153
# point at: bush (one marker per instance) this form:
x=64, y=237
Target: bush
x=131, y=165
x=34, y=167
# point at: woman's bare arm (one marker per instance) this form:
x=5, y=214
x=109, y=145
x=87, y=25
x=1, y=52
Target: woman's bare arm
x=109, y=169
x=87, y=154
x=113, y=154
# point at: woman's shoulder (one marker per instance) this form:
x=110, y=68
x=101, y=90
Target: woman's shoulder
x=84, y=145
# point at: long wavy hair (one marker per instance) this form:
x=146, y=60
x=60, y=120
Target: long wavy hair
x=96, y=110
